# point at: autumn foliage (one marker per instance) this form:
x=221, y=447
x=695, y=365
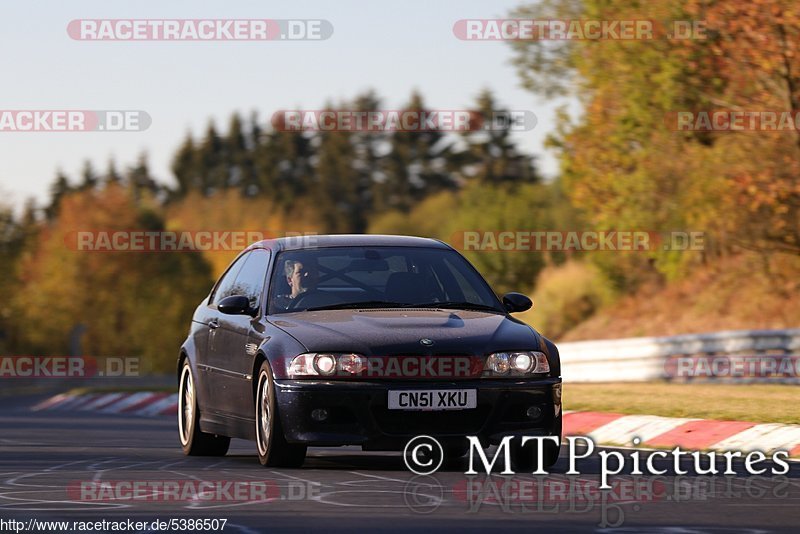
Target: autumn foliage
x=623, y=166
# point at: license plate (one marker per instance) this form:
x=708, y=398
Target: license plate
x=433, y=399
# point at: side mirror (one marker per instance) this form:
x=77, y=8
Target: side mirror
x=235, y=305
x=517, y=302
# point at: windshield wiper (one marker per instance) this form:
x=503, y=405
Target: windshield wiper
x=458, y=305
x=362, y=304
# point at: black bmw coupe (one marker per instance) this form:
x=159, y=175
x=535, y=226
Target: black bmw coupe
x=362, y=340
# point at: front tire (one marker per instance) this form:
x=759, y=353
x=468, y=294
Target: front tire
x=273, y=449
x=194, y=442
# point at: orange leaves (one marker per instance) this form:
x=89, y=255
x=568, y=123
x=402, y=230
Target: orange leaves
x=623, y=165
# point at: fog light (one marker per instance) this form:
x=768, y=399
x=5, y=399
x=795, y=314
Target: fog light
x=534, y=412
x=319, y=415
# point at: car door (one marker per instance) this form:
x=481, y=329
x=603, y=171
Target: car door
x=211, y=318
x=232, y=346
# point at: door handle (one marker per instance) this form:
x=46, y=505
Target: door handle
x=213, y=324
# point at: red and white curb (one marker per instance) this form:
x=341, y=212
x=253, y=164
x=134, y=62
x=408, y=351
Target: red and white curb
x=692, y=434
x=604, y=428
x=142, y=403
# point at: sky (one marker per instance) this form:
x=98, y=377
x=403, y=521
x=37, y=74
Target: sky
x=391, y=47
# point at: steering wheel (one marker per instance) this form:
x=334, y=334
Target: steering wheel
x=298, y=300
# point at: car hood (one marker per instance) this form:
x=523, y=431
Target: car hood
x=396, y=332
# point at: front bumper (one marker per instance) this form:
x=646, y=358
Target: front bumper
x=358, y=412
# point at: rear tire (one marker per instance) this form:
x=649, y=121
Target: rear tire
x=194, y=442
x=273, y=449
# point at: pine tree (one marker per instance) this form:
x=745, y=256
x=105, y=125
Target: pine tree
x=140, y=181
x=214, y=172
x=59, y=188
x=185, y=168
x=491, y=156
x=336, y=188
x=283, y=166
x=89, y=180
x=112, y=176
x=416, y=165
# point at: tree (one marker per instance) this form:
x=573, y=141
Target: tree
x=141, y=182
x=490, y=155
x=238, y=156
x=133, y=304
x=212, y=167
x=627, y=168
x=89, y=179
x=185, y=168
x=336, y=189
x=416, y=165
x=58, y=189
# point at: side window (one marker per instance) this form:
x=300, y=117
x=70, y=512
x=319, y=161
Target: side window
x=225, y=287
x=250, y=280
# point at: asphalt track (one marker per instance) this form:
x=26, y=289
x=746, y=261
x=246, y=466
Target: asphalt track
x=45, y=456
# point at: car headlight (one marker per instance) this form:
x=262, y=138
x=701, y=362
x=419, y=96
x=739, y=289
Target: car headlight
x=522, y=362
x=517, y=363
x=326, y=364
x=353, y=364
x=497, y=363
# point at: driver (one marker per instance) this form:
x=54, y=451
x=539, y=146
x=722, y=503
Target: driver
x=301, y=277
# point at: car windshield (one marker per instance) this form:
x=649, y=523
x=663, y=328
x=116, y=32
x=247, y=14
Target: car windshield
x=377, y=277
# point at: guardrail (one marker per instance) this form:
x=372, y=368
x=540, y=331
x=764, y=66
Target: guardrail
x=735, y=356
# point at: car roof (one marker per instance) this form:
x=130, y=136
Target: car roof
x=346, y=240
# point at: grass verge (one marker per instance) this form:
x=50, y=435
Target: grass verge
x=762, y=403
x=122, y=389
